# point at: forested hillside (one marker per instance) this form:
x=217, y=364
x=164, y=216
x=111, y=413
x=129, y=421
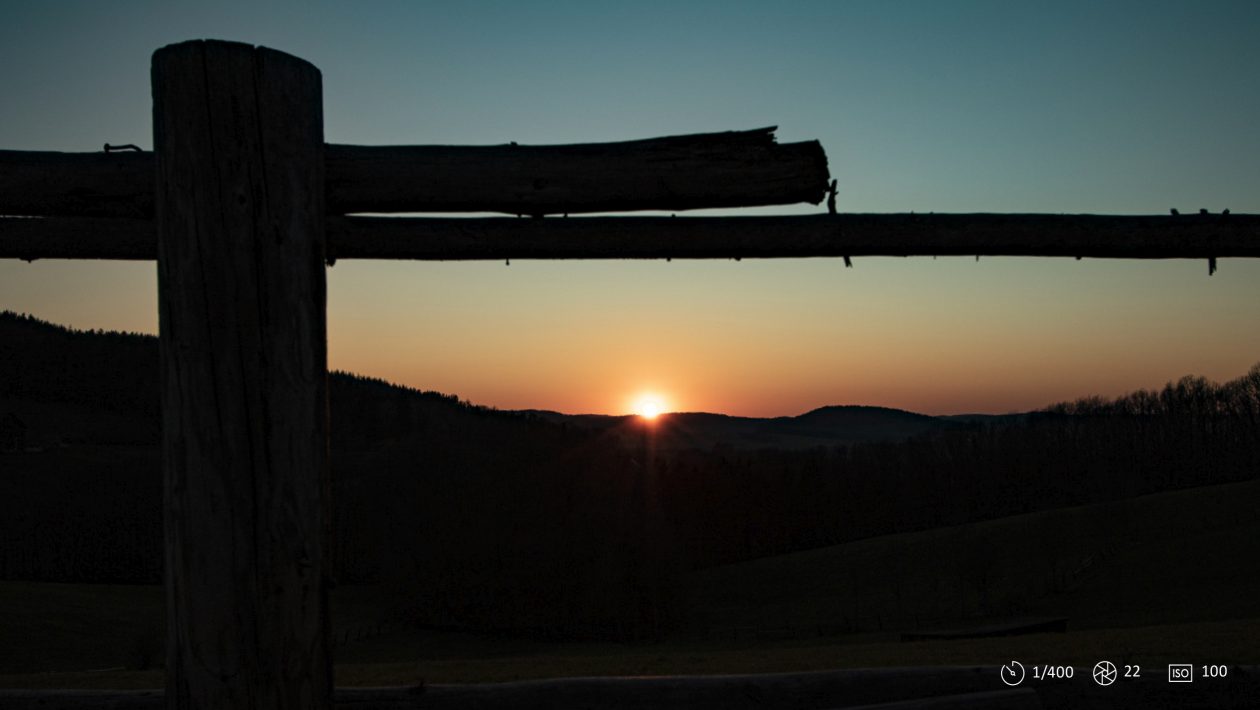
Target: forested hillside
x=524, y=523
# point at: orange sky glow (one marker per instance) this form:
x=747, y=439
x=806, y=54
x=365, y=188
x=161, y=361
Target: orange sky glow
x=755, y=338
x=782, y=337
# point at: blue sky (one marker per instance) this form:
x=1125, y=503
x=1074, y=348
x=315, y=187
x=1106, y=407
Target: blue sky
x=928, y=106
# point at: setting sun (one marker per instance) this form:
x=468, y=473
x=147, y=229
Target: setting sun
x=649, y=406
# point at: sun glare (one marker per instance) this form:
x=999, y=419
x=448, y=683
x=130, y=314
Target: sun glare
x=649, y=406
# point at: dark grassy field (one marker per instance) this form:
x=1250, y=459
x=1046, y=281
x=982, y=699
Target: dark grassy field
x=1171, y=557
x=1158, y=579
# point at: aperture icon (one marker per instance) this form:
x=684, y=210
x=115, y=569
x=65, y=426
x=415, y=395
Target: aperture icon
x=1104, y=673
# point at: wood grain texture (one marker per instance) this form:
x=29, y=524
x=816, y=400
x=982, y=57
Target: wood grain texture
x=240, y=237
x=439, y=239
x=731, y=169
x=85, y=184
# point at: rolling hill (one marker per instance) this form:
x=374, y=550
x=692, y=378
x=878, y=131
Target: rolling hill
x=1164, y=558
x=549, y=525
x=826, y=426
x=89, y=386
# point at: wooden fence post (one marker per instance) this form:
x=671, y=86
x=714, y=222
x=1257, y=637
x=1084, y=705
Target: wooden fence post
x=238, y=133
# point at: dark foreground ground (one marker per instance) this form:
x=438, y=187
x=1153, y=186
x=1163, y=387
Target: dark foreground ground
x=1165, y=578
x=891, y=689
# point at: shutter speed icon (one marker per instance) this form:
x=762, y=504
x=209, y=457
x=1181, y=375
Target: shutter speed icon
x=1013, y=673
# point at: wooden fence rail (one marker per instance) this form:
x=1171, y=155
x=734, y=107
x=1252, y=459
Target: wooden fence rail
x=438, y=239
x=731, y=169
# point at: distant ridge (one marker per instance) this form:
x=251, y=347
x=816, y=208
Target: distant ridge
x=117, y=372
x=834, y=425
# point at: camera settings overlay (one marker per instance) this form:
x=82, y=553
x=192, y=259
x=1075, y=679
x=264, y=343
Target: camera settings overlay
x=1105, y=673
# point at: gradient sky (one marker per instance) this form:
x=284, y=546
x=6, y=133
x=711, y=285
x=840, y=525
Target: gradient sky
x=927, y=106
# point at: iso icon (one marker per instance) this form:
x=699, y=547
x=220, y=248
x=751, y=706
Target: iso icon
x=1104, y=673
x=1180, y=673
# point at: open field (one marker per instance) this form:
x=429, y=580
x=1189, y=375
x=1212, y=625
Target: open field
x=1158, y=579
x=1179, y=556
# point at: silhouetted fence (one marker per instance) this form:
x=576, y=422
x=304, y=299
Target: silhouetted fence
x=836, y=236
x=241, y=205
